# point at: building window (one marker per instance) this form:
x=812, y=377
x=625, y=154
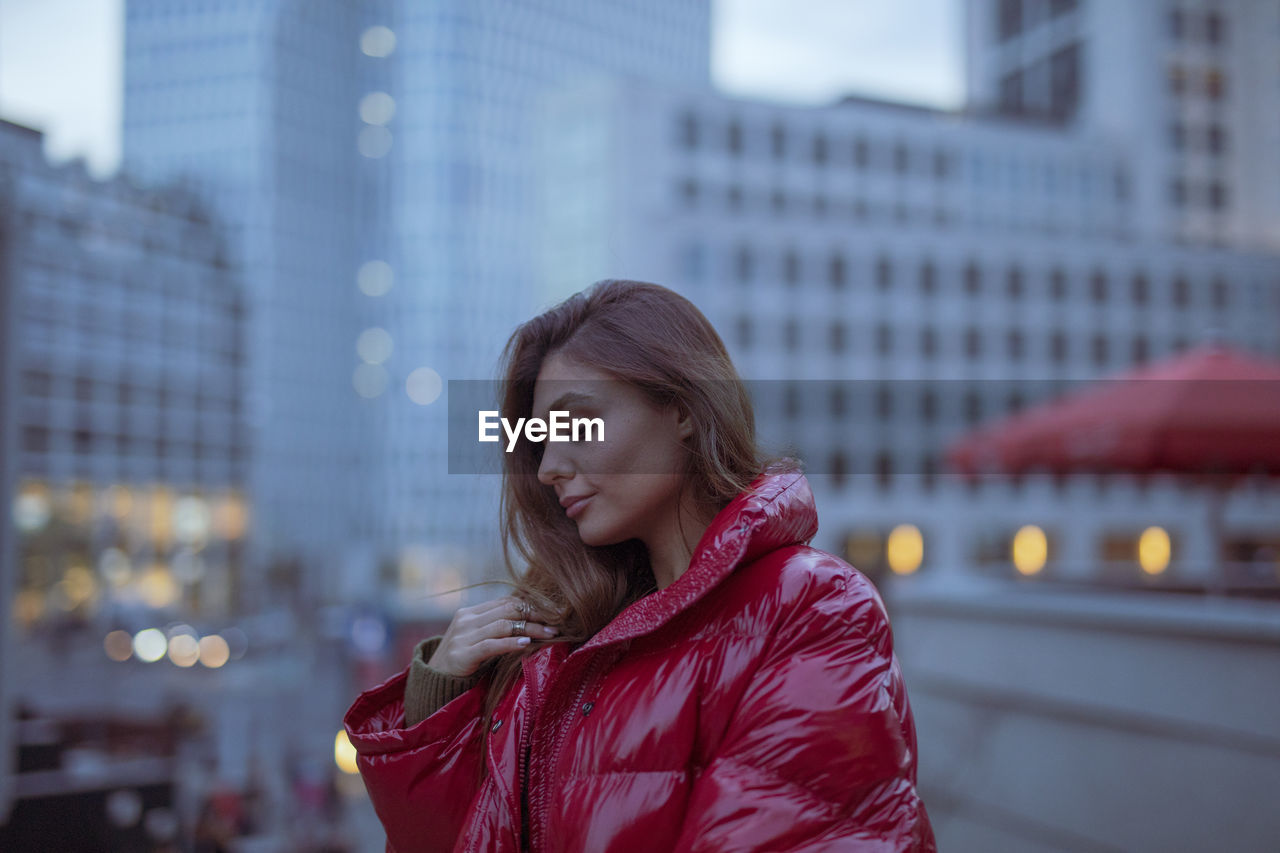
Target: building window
x=972, y=407
x=1141, y=350
x=901, y=158
x=735, y=198
x=791, y=268
x=972, y=343
x=837, y=337
x=838, y=401
x=1219, y=293
x=733, y=138
x=928, y=406
x=743, y=264
x=1015, y=344
x=972, y=279
x=1140, y=288
x=861, y=154
x=928, y=278
x=1064, y=82
x=839, y=469
x=791, y=401
x=1100, y=350
x=1058, y=346
x=884, y=402
x=1217, y=195
x=778, y=201
x=928, y=472
x=1178, y=192
x=689, y=192
x=1009, y=19
x=884, y=339
x=689, y=131
x=1181, y=292
x=1215, y=84
x=928, y=342
x=819, y=205
x=1177, y=24
x=1178, y=135
x=884, y=470
x=778, y=137
x=1011, y=93
x=941, y=165
x=1062, y=7
x=1177, y=79
x=1216, y=140
x=820, y=150
x=1098, y=286
x=744, y=331
x=837, y=272
x=1013, y=283
x=791, y=334
x=1215, y=31
x=884, y=273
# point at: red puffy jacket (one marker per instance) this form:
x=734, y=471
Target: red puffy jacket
x=753, y=704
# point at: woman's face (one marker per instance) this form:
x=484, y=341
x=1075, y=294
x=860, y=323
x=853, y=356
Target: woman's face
x=633, y=476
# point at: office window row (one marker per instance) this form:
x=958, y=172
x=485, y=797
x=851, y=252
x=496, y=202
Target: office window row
x=1013, y=344
x=1187, y=25
x=1210, y=82
x=821, y=148
x=837, y=270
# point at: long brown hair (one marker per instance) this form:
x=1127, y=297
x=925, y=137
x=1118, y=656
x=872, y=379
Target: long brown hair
x=656, y=340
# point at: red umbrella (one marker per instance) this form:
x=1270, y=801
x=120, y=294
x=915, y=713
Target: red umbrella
x=1212, y=412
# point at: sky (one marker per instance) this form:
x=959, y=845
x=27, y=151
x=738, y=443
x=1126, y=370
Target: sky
x=60, y=60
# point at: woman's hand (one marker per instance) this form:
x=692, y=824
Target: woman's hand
x=485, y=630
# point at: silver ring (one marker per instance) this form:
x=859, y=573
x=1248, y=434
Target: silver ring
x=517, y=627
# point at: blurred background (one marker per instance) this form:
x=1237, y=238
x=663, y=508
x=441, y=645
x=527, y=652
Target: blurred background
x=245, y=245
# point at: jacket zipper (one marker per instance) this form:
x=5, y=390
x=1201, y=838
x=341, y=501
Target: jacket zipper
x=538, y=828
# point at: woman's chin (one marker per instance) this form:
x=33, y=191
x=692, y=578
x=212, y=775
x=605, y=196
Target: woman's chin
x=591, y=535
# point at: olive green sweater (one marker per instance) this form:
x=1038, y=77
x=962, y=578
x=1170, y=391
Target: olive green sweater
x=427, y=690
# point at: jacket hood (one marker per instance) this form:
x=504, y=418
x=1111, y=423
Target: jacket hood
x=776, y=511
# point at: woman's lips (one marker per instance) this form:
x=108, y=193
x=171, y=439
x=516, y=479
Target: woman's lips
x=576, y=508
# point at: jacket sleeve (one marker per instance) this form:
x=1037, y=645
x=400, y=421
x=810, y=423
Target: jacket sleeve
x=421, y=778
x=427, y=690
x=820, y=753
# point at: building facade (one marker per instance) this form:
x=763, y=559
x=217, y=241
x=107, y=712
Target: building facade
x=1192, y=84
x=892, y=277
x=374, y=163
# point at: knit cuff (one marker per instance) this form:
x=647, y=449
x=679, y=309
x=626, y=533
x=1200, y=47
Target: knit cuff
x=427, y=690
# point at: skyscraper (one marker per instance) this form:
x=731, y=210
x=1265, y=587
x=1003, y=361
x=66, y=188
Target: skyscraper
x=1192, y=84
x=374, y=160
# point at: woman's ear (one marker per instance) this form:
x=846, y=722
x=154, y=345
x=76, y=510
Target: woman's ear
x=684, y=422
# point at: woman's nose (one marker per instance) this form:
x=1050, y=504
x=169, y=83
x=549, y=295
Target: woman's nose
x=554, y=465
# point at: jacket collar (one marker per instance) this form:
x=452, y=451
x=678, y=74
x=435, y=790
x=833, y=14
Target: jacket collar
x=775, y=511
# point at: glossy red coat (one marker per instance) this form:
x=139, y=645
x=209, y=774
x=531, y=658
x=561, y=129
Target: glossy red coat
x=753, y=704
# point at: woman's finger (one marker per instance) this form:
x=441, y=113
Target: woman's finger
x=507, y=627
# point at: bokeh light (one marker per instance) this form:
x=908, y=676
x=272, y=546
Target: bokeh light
x=424, y=386
x=118, y=645
x=344, y=753
x=150, y=644
x=214, y=651
x=1030, y=549
x=374, y=345
x=378, y=42
x=905, y=549
x=374, y=278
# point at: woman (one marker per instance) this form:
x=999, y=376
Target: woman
x=676, y=669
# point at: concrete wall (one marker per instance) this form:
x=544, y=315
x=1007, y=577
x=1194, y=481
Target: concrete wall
x=1055, y=720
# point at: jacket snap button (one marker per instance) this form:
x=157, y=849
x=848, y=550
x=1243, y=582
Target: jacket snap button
x=496, y=725
x=586, y=708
